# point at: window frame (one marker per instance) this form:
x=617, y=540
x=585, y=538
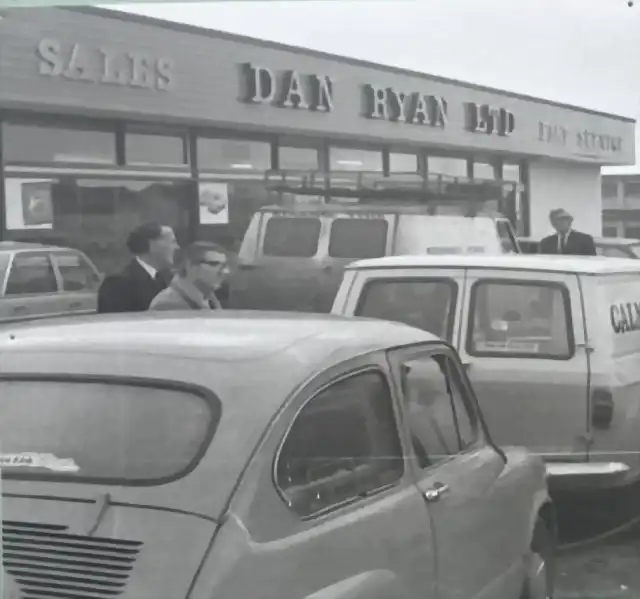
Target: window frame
x=566, y=298
x=14, y=256
x=206, y=395
x=55, y=254
x=452, y=283
x=439, y=348
x=310, y=396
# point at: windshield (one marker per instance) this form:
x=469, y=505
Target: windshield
x=102, y=432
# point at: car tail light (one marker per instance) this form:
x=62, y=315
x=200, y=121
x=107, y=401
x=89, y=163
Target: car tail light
x=602, y=408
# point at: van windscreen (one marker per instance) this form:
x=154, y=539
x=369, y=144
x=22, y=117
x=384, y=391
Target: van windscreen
x=287, y=237
x=358, y=238
x=104, y=432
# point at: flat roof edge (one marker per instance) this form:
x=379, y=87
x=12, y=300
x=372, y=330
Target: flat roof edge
x=206, y=32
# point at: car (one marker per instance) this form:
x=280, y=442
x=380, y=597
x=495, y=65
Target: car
x=38, y=281
x=551, y=345
x=249, y=454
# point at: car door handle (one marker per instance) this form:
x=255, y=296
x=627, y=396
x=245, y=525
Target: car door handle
x=437, y=491
x=19, y=309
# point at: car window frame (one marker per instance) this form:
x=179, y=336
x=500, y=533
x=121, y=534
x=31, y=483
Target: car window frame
x=60, y=277
x=483, y=439
x=568, y=316
x=310, y=391
x=38, y=252
x=451, y=282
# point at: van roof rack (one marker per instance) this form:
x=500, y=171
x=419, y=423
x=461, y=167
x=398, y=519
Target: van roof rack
x=372, y=187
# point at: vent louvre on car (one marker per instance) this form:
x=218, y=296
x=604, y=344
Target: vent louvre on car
x=48, y=563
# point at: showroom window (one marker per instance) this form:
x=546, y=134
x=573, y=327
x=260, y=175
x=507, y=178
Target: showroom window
x=155, y=149
x=352, y=159
x=237, y=155
x=46, y=144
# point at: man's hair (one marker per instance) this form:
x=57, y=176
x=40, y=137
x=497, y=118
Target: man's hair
x=139, y=240
x=195, y=253
x=559, y=213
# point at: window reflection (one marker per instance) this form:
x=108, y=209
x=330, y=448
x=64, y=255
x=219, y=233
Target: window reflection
x=233, y=154
x=452, y=167
x=290, y=158
x=96, y=216
x=349, y=159
x=143, y=148
x=38, y=144
x=403, y=163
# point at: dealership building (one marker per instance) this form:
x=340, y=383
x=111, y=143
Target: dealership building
x=110, y=119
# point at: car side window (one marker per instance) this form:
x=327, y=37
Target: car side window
x=525, y=319
x=442, y=422
x=343, y=445
x=76, y=272
x=31, y=273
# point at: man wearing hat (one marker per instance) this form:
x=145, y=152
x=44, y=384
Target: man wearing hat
x=566, y=240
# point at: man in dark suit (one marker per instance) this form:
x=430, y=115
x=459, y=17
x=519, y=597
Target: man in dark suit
x=566, y=240
x=153, y=248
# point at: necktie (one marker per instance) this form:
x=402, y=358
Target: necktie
x=561, y=244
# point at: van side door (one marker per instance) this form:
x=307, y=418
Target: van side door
x=428, y=299
x=524, y=342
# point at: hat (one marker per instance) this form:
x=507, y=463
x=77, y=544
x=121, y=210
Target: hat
x=559, y=213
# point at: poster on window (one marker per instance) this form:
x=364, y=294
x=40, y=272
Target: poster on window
x=214, y=203
x=29, y=204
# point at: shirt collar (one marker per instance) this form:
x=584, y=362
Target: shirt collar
x=152, y=272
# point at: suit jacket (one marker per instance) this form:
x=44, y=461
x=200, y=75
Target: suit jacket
x=130, y=290
x=577, y=244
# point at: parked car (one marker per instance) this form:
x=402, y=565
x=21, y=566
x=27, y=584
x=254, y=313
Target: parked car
x=612, y=247
x=259, y=455
x=37, y=281
x=551, y=344
x=292, y=257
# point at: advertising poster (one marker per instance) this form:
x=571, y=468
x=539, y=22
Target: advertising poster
x=214, y=203
x=29, y=204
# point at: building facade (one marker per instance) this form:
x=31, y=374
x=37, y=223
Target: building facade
x=621, y=205
x=109, y=119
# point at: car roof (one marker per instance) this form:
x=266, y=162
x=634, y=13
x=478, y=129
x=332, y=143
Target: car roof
x=11, y=246
x=532, y=262
x=228, y=336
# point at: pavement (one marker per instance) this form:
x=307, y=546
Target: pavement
x=596, y=564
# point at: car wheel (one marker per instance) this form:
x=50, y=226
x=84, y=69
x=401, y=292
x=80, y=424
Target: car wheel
x=540, y=573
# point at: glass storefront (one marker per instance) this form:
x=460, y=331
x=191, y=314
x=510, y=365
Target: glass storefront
x=87, y=185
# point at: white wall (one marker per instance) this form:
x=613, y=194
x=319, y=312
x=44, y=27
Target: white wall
x=574, y=187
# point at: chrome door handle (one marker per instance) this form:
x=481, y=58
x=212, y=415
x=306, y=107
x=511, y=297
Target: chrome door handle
x=436, y=492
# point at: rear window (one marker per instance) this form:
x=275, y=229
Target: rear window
x=358, y=238
x=291, y=237
x=102, y=432
x=427, y=304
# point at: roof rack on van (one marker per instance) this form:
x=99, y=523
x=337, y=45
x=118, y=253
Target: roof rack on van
x=371, y=187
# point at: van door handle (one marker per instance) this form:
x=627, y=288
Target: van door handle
x=437, y=491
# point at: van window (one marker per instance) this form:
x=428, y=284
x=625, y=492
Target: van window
x=358, y=238
x=520, y=319
x=427, y=304
x=291, y=237
x=342, y=446
x=110, y=432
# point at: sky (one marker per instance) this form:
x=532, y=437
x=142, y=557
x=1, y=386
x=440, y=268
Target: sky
x=581, y=52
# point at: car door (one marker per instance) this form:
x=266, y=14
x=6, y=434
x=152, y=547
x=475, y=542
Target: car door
x=79, y=281
x=428, y=299
x=31, y=287
x=523, y=341
x=478, y=518
x=329, y=507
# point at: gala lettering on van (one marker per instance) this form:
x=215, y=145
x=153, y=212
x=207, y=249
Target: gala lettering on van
x=625, y=317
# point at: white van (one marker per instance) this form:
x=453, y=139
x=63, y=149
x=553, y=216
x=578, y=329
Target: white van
x=292, y=257
x=551, y=344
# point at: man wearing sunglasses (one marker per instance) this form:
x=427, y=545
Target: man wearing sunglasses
x=202, y=269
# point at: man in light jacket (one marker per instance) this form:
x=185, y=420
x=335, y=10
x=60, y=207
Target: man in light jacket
x=203, y=267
